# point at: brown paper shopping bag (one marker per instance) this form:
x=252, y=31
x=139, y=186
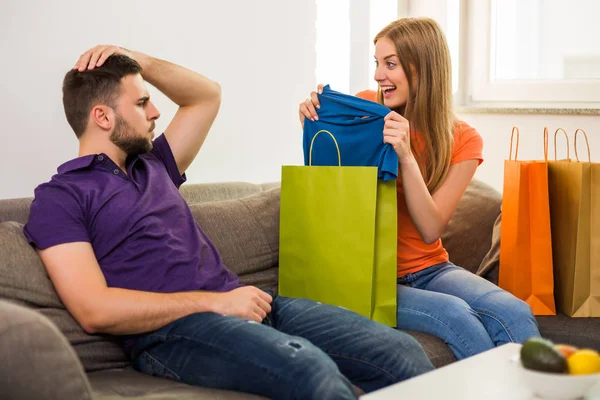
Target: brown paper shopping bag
x=575, y=215
x=525, y=237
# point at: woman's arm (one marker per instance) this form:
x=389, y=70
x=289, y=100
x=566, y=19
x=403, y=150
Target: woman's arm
x=431, y=214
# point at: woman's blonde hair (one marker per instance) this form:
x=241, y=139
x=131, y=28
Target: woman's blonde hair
x=422, y=49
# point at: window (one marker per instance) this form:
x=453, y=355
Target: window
x=533, y=53
x=505, y=53
x=382, y=12
x=344, y=47
x=333, y=44
x=447, y=14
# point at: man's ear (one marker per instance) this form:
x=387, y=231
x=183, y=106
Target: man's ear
x=103, y=117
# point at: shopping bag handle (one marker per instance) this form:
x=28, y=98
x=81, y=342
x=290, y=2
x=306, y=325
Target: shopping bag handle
x=514, y=129
x=586, y=142
x=334, y=141
x=546, y=144
x=567, y=138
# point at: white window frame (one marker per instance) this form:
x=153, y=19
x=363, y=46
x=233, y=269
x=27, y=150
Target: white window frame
x=483, y=91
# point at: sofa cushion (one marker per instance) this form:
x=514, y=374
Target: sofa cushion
x=205, y=192
x=468, y=236
x=438, y=352
x=246, y=233
x=24, y=280
x=127, y=383
x=490, y=265
x=49, y=369
x=15, y=209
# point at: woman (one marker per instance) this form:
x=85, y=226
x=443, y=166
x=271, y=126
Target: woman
x=438, y=156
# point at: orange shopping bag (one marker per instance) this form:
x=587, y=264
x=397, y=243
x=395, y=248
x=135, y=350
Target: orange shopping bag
x=525, y=236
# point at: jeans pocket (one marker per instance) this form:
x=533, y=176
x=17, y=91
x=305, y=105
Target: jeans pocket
x=149, y=365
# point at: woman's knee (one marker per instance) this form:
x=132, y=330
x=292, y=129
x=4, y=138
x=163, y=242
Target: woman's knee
x=455, y=310
x=521, y=316
x=453, y=321
x=507, y=318
x=520, y=308
x=446, y=319
x=503, y=304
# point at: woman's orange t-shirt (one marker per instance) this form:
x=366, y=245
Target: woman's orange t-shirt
x=413, y=253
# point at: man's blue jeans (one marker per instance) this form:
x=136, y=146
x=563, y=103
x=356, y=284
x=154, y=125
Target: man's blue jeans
x=466, y=311
x=303, y=350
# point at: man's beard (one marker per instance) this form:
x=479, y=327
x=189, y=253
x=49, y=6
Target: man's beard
x=125, y=138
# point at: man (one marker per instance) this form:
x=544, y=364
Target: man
x=126, y=257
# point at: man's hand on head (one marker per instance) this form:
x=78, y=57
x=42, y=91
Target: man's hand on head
x=198, y=98
x=97, y=55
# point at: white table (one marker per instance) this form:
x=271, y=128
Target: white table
x=489, y=375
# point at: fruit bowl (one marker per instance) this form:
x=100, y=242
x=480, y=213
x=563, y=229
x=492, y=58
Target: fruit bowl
x=554, y=386
x=558, y=371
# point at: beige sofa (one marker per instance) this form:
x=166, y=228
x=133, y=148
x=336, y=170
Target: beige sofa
x=46, y=355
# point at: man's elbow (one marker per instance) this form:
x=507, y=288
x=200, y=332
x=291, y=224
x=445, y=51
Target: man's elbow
x=88, y=325
x=215, y=92
x=93, y=321
x=208, y=99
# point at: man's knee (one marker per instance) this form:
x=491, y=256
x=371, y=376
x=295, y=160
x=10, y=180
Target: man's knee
x=405, y=352
x=313, y=373
x=297, y=349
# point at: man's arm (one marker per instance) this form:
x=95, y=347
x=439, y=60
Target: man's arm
x=80, y=284
x=198, y=98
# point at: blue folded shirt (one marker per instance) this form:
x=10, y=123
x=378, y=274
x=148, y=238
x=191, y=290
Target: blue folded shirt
x=357, y=126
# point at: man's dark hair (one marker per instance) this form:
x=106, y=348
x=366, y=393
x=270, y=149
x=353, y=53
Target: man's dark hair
x=84, y=90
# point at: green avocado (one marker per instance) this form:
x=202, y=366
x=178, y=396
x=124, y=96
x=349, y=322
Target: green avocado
x=540, y=355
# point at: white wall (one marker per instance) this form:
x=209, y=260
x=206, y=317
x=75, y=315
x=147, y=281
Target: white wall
x=261, y=52
x=496, y=129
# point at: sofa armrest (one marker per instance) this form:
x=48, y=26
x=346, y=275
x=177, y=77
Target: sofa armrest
x=37, y=360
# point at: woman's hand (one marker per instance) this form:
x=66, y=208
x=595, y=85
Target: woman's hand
x=396, y=131
x=308, y=108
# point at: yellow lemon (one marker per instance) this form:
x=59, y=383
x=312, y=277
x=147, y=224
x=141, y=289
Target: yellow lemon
x=583, y=362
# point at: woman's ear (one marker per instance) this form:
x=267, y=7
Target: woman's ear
x=102, y=116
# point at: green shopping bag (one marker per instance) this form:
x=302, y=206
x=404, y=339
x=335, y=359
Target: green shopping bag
x=338, y=228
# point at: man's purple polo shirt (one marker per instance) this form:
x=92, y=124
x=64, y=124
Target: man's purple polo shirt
x=140, y=227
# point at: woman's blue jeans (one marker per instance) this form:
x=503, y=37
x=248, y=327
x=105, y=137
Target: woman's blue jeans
x=469, y=313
